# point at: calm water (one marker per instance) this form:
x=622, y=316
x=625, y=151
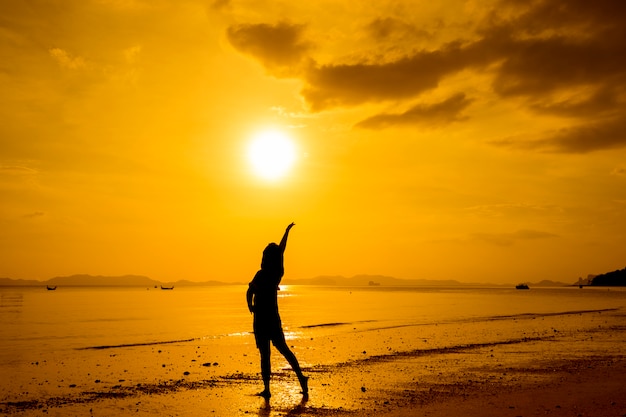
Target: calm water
x=37, y=320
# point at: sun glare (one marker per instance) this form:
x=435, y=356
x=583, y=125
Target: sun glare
x=271, y=154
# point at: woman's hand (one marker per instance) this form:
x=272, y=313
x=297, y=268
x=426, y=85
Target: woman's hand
x=283, y=241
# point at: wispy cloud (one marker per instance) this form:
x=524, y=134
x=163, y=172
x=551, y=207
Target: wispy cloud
x=66, y=60
x=34, y=215
x=17, y=177
x=508, y=239
x=17, y=170
x=513, y=208
x=620, y=171
x=436, y=114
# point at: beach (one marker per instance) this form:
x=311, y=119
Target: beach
x=561, y=361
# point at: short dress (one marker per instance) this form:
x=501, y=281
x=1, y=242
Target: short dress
x=267, y=325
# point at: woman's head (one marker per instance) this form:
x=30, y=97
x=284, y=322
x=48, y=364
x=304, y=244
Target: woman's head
x=272, y=257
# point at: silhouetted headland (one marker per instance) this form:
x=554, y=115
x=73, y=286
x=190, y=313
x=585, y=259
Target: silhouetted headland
x=610, y=279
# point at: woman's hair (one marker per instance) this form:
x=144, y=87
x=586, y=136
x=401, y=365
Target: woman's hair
x=272, y=257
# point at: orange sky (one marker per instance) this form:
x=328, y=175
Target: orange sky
x=483, y=141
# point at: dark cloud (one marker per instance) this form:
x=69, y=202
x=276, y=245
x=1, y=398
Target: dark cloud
x=385, y=28
x=605, y=100
x=278, y=47
x=337, y=85
x=508, y=239
x=437, y=114
x=220, y=4
x=575, y=49
x=607, y=134
x=538, y=67
x=571, y=18
x=382, y=28
x=532, y=57
x=597, y=135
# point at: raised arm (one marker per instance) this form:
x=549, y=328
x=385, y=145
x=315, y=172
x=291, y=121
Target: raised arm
x=283, y=242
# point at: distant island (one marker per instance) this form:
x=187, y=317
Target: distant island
x=84, y=280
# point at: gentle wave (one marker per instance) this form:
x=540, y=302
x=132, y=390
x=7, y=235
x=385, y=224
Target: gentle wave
x=125, y=345
x=522, y=316
x=313, y=326
x=558, y=313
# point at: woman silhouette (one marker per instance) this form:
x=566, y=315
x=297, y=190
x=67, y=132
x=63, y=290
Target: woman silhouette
x=262, y=301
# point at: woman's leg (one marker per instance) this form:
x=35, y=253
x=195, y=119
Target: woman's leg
x=281, y=346
x=266, y=367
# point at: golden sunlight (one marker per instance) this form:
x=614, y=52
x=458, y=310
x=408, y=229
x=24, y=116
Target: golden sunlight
x=271, y=154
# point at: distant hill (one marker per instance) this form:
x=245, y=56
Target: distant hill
x=548, y=283
x=368, y=280
x=102, y=281
x=375, y=280
x=84, y=281
x=327, y=280
x=9, y=282
x=610, y=279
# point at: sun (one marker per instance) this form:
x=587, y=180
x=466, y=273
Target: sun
x=271, y=154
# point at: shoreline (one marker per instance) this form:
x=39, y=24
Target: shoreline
x=594, y=391
x=574, y=387
x=569, y=365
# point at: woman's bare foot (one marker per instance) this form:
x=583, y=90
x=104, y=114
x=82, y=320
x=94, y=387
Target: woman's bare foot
x=265, y=394
x=304, y=383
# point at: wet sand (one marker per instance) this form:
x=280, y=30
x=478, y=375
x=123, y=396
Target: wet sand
x=567, y=364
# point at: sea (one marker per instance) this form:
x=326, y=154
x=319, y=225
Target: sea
x=38, y=321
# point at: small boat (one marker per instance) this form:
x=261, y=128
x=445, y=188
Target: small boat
x=373, y=284
x=522, y=287
x=51, y=288
x=167, y=288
